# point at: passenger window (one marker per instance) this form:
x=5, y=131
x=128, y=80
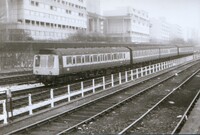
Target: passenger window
x=74, y=60
x=51, y=61
x=99, y=57
x=102, y=57
x=83, y=59
x=87, y=59
x=91, y=60
x=78, y=59
x=95, y=58
x=37, y=61
x=69, y=60
x=109, y=57
x=115, y=56
x=105, y=57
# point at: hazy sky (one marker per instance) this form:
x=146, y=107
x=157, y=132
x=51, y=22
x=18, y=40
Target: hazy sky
x=186, y=13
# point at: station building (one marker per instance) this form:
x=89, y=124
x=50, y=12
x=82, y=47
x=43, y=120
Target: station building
x=42, y=19
x=127, y=24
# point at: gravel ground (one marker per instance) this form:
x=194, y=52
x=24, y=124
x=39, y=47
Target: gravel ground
x=166, y=117
x=115, y=121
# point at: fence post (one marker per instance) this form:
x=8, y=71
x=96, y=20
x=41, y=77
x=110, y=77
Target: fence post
x=141, y=71
x=82, y=89
x=146, y=70
x=68, y=89
x=126, y=76
x=137, y=76
x=30, y=104
x=154, y=68
x=93, y=85
x=5, y=116
x=160, y=66
x=112, y=80
x=131, y=74
x=104, y=83
x=120, y=78
x=52, y=102
x=150, y=69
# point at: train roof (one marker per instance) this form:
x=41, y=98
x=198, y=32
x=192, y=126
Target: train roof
x=77, y=51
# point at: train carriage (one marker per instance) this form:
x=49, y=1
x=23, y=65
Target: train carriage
x=168, y=51
x=50, y=64
x=144, y=54
x=54, y=62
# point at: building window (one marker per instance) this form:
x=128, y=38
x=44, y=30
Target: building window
x=27, y=21
x=33, y=22
x=19, y=21
x=32, y=3
x=37, y=4
x=42, y=23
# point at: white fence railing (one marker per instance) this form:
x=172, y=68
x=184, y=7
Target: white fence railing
x=92, y=86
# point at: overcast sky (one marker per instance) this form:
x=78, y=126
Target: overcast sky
x=186, y=13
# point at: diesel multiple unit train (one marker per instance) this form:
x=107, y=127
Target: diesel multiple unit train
x=51, y=64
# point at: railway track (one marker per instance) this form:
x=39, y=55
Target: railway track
x=67, y=121
x=16, y=79
x=165, y=115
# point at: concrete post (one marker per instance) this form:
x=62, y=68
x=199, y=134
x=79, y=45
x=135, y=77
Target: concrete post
x=120, y=78
x=131, y=74
x=141, y=72
x=112, y=80
x=137, y=76
x=52, y=102
x=5, y=119
x=104, y=83
x=82, y=89
x=30, y=104
x=93, y=85
x=68, y=89
x=126, y=76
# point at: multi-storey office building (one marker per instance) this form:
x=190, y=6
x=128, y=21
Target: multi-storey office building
x=176, y=32
x=95, y=19
x=43, y=19
x=159, y=30
x=127, y=24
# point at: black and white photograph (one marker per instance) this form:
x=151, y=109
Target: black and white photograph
x=99, y=67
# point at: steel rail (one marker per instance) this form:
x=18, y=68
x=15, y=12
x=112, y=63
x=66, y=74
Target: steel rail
x=118, y=104
x=184, y=117
x=141, y=117
x=95, y=100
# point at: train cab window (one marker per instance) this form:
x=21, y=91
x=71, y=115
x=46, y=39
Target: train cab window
x=74, y=60
x=69, y=60
x=37, y=61
x=87, y=59
x=51, y=61
x=78, y=59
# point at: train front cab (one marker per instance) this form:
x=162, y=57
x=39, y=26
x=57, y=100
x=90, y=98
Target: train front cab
x=45, y=65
